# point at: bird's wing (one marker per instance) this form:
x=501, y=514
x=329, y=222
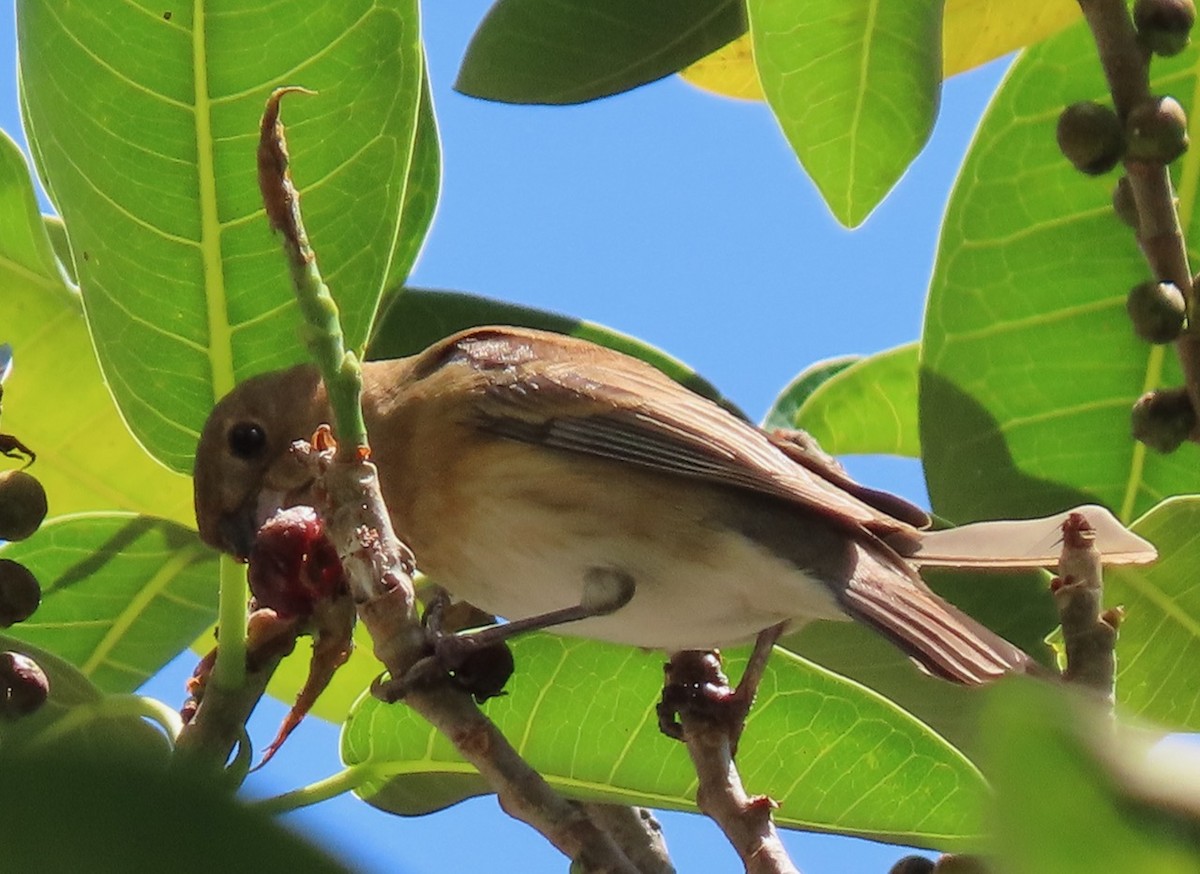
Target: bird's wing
x=568, y=394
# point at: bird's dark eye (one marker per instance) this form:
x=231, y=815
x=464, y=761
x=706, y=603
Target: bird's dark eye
x=247, y=440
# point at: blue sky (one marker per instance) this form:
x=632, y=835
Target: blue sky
x=674, y=216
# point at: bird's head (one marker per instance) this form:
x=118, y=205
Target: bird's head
x=244, y=470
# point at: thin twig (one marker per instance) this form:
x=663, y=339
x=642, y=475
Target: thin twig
x=637, y=832
x=711, y=737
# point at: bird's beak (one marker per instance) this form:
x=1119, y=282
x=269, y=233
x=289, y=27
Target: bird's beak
x=237, y=531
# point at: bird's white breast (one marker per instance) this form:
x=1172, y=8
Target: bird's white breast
x=527, y=524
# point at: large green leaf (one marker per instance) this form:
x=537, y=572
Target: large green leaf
x=834, y=755
x=56, y=401
x=121, y=594
x=1029, y=365
x=855, y=87
x=144, y=124
x=1073, y=797
x=1158, y=650
x=570, y=51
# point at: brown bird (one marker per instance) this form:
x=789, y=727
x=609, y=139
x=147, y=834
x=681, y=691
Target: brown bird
x=530, y=472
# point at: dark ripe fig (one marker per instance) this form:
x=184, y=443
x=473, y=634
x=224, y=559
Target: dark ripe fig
x=1163, y=419
x=912, y=865
x=1157, y=310
x=294, y=564
x=1123, y=203
x=1164, y=26
x=22, y=504
x=20, y=593
x=1090, y=136
x=960, y=864
x=1156, y=131
x=23, y=685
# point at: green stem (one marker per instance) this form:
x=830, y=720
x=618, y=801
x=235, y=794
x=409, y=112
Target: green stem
x=314, y=793
x=112, y=707
x=230, y=669
x=340, y=369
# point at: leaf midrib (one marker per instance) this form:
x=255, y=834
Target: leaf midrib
x=220, y=338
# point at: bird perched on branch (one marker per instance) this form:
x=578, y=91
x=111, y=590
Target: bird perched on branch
x=532, y=473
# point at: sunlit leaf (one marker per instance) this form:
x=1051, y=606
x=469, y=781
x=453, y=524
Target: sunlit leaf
x=1159, y=645
x=782, y=413
x=834, y=755
x=121, y=594
x=1029, y=365
x=973, y=33
x=855, y=88
x=56, y=401
x=863, y=406
x=185, y=289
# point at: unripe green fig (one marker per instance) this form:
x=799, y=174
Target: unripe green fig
x=1156, y=131
x=1163, y=419
x=1090, y=137
x=1164, y=26
x=22, y=504
x=20, y=593
x=1158, y=311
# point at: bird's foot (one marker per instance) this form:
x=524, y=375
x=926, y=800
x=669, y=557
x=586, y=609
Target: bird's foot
x=480, y=661
x=695, y=686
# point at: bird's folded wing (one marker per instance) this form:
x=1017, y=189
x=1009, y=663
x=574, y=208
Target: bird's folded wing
x=1028, y=543
x=595, y=401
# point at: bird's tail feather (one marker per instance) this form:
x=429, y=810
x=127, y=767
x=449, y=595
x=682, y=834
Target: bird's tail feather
x=939, y=637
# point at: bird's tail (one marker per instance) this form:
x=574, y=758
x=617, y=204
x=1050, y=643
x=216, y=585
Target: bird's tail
x=939, y=637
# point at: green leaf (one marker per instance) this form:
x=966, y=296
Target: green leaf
x=71, y=691
x=420, y=317
x=783, y=411
x=868, y=407
x=834, y=755
x=1159, y=645
x=121, y=594
x=110, y=810
x=571, y=51
x=973, y=33
x=1029, y=364
x=1071, y=800
x=184, y=287
x=855, y=88
x=56, y=401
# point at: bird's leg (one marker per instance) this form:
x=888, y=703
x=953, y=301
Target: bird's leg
x=479, y=660
x=696, y=684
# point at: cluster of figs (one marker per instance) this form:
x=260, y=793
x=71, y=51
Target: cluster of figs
x=1154, y=132
x=24, y=687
